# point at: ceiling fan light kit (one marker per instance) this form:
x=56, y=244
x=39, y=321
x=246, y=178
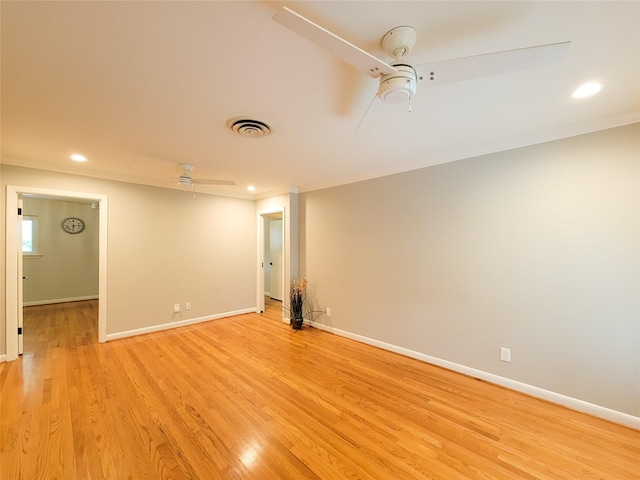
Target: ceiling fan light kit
x=185, y=182
x=398, y=87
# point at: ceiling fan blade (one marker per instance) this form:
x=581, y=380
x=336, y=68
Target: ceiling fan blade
x=341, y=48
x=213, y=182
x=469, y=68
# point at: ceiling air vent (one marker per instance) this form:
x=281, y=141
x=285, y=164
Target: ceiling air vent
x=247, y=127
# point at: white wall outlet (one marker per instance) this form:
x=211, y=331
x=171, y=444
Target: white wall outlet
x=505, y=354
x=328, y=312
x=187, y=306
x=176, y=307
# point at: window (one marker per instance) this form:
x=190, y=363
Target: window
x=29, y=235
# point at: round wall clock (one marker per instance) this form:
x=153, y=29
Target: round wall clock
x=72, y=225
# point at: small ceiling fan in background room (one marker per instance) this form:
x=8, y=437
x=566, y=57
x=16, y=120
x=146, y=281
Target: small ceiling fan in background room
x=186, y=180
x=399, y=79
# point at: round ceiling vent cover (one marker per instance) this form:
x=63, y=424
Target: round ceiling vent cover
x=248, y=127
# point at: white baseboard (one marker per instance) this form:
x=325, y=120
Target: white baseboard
x=59, y=300
x=569, y=402
x=3, y=358
x=180, y=323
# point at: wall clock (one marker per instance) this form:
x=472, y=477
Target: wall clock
x=72, y=225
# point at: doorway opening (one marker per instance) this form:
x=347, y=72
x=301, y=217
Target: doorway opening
x=59, y=267
x=14, y=259
x=271, y=257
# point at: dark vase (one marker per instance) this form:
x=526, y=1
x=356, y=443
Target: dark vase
x=296, y=310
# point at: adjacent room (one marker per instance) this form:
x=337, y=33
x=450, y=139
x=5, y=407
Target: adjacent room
x=452, y=187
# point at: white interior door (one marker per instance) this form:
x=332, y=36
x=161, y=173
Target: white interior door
x=20, y=281
x=275, y=258
x=267, y=257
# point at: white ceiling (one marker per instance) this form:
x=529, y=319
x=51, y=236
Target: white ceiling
x=138, y=87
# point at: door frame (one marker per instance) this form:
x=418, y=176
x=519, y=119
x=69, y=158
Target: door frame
x=13, y=255
x=20, y=275
x=261, y=247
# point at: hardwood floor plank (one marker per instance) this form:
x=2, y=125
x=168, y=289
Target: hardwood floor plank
x=247, y=397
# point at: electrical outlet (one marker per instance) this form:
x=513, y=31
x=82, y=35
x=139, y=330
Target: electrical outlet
x=176, y=307
x=187, y=306
x=328, y=312
x=505, y=354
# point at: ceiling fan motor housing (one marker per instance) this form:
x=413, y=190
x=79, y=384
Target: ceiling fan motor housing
x=400, y=86
x=186, y=181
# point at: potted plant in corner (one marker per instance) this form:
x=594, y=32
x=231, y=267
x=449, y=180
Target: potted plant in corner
x=298, y=290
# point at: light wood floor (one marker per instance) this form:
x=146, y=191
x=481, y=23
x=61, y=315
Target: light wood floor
x=248, y=398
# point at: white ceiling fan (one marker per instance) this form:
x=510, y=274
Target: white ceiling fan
x=186, y=180
x=399, y=78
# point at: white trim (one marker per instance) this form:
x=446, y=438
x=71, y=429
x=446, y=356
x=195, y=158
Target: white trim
x=11, y=276
x=11, y=266
x=557, y=398
x=180, y=323
x=3, y=358
x=59, y=300
x=275, y=193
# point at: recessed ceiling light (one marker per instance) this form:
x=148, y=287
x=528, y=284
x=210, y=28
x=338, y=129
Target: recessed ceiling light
x=251, y=188
x=587, y=89
x=76, y=157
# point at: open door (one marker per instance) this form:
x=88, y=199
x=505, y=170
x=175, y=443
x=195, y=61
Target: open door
x=275, y=258
x=21, y=279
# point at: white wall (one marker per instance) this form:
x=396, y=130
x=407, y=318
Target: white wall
x=66, y=267
x=164, y=247
x=534, y=249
